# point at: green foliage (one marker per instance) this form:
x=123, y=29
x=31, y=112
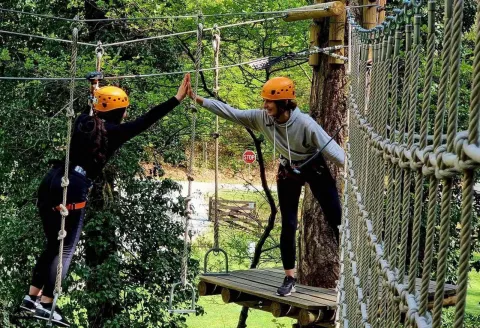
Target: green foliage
x=129, y=254
x=448, y=319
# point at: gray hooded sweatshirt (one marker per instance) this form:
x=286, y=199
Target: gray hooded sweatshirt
x=297, y=139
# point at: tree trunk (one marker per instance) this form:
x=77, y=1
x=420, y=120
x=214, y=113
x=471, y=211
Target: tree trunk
x=318, y=250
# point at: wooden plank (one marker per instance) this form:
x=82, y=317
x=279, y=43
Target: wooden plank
x=448, y=287
x=273, y=288
x=329, y=296
x=315, y=11
x=235, y=208
x=317, y=297
x=262, y=292
x=296, y=299
x=221, y=200
x=279, y=273
x=257, y=289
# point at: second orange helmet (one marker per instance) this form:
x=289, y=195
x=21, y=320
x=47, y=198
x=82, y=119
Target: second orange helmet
x=278, y=88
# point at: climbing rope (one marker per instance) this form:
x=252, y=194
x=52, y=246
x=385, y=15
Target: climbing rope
x=216, y=225
x=190, y=177
x=216, y=51
x=184, y=264
x=65, y=182
x=379, y=272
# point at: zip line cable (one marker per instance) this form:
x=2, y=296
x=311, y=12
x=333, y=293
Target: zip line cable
x=190, y=32
x=45, y=38
x=140, y=40
x=192, y=16
x=252, y=63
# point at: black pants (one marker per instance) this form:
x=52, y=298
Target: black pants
x=289, y=187
x=50, y=195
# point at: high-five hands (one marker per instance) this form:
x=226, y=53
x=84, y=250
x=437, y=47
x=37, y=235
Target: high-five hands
x=191, y=93
x=183, y=89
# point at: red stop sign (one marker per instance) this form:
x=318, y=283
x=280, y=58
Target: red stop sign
x=249, y=157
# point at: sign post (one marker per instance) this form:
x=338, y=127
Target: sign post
x=249, y=157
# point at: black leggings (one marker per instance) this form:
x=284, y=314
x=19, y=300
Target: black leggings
x=50, y=195
x=289, y=187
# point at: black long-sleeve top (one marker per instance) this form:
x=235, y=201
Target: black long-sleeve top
x=117, y=134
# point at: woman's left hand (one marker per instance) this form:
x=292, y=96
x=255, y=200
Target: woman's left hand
x=182, y=90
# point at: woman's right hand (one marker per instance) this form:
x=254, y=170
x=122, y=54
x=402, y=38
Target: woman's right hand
x=183, y=89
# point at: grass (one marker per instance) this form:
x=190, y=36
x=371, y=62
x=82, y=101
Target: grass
x=473, y=293
x=221, y=315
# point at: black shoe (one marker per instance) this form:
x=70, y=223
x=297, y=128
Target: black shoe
x=28, y=304
x=43, y=312
x=287, y=288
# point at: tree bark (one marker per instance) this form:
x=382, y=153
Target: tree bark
x=318, y=250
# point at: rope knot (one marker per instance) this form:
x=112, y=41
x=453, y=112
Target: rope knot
x=416, y=162
x=472, y=151
x=444, y=168
x=62, y=234
x=65, y=182
x=63, y=210
x=193, y=108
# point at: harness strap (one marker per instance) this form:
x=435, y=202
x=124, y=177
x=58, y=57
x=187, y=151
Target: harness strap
x=72, y=207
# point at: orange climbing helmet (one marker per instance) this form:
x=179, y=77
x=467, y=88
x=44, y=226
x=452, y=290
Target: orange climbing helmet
x=110, y=98
x=278, y=88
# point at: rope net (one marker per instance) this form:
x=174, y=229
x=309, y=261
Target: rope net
x=392, y=186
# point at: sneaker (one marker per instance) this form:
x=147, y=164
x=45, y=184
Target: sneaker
x=43, y=312
x=287, y=288
x=28, y=304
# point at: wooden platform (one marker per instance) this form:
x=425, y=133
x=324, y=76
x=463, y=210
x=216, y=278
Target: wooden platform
x=310, y=305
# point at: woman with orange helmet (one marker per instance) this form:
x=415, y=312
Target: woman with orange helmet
x=297, y=137
x=95, y=139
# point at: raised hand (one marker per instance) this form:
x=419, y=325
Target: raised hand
x=190, y=92
x=183, y=89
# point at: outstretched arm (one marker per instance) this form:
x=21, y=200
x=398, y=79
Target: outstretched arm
x=126, y=131
x=247, y=118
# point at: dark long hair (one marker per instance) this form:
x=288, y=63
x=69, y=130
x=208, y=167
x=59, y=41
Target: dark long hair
x=99, y=132
x=94, y=133
x=100, y=140
x=285, y=105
